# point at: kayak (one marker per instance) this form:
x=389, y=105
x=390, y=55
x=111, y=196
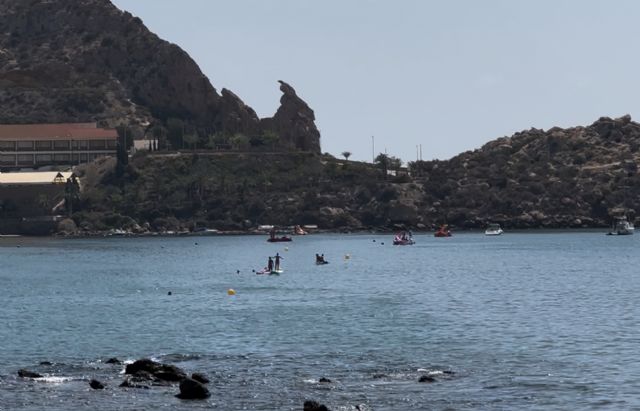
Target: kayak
x=322, y=262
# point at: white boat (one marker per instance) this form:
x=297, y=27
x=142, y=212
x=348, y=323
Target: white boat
x=621, y=226
x=493, y=229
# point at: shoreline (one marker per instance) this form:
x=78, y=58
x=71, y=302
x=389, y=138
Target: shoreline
x=154, y=234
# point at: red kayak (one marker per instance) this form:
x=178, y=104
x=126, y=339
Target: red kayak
x=443, y=232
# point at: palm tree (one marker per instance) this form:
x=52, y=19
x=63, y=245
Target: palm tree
x=346, y=155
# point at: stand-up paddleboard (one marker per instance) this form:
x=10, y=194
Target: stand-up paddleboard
x=280, y=271
x=264, y=271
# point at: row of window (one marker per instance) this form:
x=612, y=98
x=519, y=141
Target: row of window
x=31, y=159
x=57, y=145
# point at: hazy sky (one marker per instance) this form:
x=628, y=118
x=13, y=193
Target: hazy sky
x=450, y=75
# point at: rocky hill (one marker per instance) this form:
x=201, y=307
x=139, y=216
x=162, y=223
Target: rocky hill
x=573, y=177
x=560, y=178
x=86, y=60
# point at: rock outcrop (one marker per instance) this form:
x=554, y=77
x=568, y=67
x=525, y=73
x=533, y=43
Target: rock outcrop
x=147, y=370
x=294, y=122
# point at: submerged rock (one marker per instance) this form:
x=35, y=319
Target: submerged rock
x=28, y=374
x=426, y=379
x=314, y=406
x=113, y=360
x=96, y=385
x=324, y=379
x=192, y=390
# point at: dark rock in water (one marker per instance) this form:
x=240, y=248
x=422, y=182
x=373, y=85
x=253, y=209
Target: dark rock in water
x=448, y=372
x=171, y=375
x=47, y=363
x=426, y=378
x=163, y=372
x=192, y=390
x=379, y=376
x=28, y=374
x=96, y=385
x=323, y=379
x=130, y=383
x=113, y=360
x=201, y=378
x=314, y=406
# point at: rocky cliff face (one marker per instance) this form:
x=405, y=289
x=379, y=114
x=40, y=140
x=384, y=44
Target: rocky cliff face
x=85, y=60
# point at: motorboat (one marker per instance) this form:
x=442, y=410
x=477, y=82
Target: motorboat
x=621, y=226
x=493, y=229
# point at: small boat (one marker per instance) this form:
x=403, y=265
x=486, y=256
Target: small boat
x=297, y=230
x=443, y=231
x=621, y=226
x=274, y=239
x=284, y=238
x=493, y=229
x=403, y=238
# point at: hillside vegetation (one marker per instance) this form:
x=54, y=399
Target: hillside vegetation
x=576, y=177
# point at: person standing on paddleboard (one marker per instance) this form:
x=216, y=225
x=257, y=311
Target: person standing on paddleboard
x=277, y=257
x=270, y=264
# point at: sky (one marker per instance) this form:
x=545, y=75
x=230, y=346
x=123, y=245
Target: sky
x=390, y=76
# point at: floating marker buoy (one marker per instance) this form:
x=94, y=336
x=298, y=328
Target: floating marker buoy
x=286, y=249
x=231, y=291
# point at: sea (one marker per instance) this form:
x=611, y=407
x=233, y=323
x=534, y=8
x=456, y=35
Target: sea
x=540, y=320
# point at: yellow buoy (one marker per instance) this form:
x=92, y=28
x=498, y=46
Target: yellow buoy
x=231, y=291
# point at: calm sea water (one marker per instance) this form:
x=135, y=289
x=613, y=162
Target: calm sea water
x=527, y=321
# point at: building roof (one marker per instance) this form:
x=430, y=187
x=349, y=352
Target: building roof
x=37, y=177
x=65, y=131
